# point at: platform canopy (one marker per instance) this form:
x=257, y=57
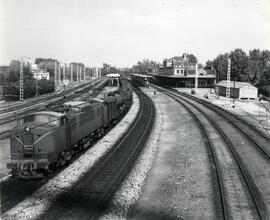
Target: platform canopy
x=113, y=75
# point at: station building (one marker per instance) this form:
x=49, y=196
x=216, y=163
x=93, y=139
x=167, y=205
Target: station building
x=238, y=90
x=140, y=79
x=178, y=71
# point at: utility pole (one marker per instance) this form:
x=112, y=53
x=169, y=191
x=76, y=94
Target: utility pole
x=59, y=72
x=21, y=98
x=71, y=72
x=55, y=76
x=196, y=78
x=80, y=71
x=64, y=71
x=84, y=68
x=21, y=80
x=228, y=89
x=77, y=72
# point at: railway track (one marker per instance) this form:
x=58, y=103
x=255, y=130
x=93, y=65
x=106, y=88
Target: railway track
x=236, y=177
x=90, y=196
x=40, y=105
x=41, y=99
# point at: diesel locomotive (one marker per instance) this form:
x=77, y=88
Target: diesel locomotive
x=45, y=140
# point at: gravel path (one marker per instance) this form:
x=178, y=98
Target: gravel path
x=36, y=204
x=172, y=178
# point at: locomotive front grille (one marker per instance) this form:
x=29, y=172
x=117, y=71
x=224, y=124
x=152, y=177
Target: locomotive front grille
x=28, y=149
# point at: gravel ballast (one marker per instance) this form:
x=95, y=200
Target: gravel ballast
x=39, y=202
x=126, y=197
x=179, y=183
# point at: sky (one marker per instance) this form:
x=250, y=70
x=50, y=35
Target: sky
x=122, y=32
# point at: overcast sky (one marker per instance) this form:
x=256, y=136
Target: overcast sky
x=121, y=32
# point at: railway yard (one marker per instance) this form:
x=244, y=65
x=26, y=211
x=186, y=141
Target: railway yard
x=166, y=154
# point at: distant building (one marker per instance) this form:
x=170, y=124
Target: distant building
x=238, y=90
x=178, y=71
x=4, y=71
x=177, y=65
x=39, y=73
x=96, y=72
x=77, y=71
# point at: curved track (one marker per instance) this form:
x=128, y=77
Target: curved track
x=41, y=99
x=90, y=196
x=251, y=186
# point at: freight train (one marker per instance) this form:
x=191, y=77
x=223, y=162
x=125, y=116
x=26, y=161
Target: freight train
x=45, y=140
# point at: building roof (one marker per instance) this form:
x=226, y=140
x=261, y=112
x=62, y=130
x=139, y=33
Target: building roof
x=234, y=84
x=189, y=76
x=141, y=75
x=113, y=75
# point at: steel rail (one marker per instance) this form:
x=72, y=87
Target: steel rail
x=214, y=156
x=6, y=133
x=120, y=154
x=226, y=112
x=220, y=110
x=42, y=99
x=231, y=147
x=125, y=164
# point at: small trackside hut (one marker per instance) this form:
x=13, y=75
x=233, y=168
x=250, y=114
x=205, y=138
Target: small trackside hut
x=238, y=90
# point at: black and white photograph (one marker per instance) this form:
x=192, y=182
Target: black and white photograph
x=135, y=110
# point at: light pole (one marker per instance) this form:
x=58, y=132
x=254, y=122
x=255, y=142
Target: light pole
x=228, y=85
x=196, y=78
x=55, y=75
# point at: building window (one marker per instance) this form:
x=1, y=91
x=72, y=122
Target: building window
x=177, y=71
x=182, y=71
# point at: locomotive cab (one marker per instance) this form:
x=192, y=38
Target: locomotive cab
x=34, y=142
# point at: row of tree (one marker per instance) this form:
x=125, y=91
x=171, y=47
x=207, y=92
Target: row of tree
x=145, y=66
x=253, y=67
x=31, y=86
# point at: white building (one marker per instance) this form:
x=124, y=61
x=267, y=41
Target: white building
x=41, y=75
x=238, y=90
x=38, y=73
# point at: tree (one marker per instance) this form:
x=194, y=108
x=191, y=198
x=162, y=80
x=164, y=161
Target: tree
x=45, y=86
x=253, y=67
x=258, y=69
x=239, y=62
x=220, y=65
x=192, y=59
x=145, y=66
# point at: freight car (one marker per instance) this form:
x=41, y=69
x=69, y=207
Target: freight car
x=49, y=139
